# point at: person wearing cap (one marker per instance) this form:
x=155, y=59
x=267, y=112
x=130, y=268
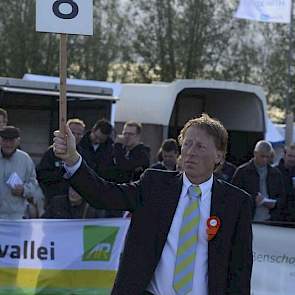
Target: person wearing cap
x=18, y=182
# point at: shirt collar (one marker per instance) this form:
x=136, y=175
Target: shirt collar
x=6, y=157
x=204, y=186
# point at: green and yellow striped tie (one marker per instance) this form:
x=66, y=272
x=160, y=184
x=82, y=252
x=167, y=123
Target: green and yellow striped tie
x=187, y=244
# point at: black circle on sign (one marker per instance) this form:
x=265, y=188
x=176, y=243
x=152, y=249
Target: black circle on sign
x=72, y=14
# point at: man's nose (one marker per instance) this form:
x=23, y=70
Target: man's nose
x=192, y=150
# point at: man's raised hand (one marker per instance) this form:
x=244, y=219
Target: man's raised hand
x=64, y=146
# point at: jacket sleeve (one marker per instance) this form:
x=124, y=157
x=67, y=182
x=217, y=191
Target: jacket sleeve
x=238, y=181
x=30, y=184
x=282, y=190
x=241, y=260
x=237, y=178
x=278, y=187
x=102, y=194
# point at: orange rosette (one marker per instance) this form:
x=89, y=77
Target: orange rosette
x=213, y=225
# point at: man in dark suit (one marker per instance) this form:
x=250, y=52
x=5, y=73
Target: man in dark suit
x=190, y=233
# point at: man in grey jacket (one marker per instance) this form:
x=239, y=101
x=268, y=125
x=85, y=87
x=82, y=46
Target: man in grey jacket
x=18, y=182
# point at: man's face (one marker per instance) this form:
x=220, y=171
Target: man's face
x=131, y=137
x=262, y=158
x=169, y=158
x=77, y=130
x=97, y=137
x=289, y=158
x=199, y=155
x=8, y=146
x=3, y=122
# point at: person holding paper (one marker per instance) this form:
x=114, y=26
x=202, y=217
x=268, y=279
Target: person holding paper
x=18, y=182
x=190, y=233
x=263, y=182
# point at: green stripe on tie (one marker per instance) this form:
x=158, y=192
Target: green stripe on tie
x=185, y=280
x=189, y=210
x=185, y=263
x=186, y=245
x=189, y=227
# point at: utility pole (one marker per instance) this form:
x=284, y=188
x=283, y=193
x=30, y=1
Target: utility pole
x=289, y=117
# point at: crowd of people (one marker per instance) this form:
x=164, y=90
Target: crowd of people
x=43, y=191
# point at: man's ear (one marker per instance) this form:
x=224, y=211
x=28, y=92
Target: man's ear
x=219, y=157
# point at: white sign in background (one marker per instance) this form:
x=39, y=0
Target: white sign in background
x=274, y=260
x=64, y=237
x=65, y=16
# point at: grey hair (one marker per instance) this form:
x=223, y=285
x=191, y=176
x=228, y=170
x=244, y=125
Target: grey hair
x=263, y=146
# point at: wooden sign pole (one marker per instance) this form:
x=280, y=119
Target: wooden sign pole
x=63, y=82
x=64, y=17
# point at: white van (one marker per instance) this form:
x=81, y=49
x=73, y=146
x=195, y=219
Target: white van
x=163, y=109
x=32, y=105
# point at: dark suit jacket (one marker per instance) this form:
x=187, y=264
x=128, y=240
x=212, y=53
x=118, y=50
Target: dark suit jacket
x=153, y=200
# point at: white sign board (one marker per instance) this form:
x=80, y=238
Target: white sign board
x=65, y=16
x=78, y=256
x=274, y=260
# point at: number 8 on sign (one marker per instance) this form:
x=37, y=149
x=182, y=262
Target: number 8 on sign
x=58, y=13
x=65, y=16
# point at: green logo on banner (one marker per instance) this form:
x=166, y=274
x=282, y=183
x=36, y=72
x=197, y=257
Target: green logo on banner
x=99, y=242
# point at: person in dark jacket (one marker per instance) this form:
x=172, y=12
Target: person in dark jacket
x=226, y=171
x=287, y=168
x=263, y=182
x=97, y=146
x=131, y=157
x=167, y=155
x=50, y=170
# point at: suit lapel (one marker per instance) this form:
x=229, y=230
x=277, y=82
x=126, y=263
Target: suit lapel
x=218, y=201
x=170, y=200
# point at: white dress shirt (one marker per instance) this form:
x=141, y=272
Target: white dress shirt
x=162, y=281
x=70, y=170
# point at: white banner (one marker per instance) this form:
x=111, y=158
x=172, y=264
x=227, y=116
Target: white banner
x=275, y=11
x=60, y=254
x=274, y=260
x=82, y=257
